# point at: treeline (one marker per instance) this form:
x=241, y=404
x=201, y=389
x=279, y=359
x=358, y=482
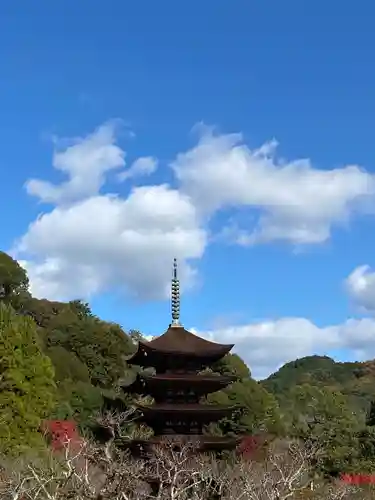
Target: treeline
x=59, y=361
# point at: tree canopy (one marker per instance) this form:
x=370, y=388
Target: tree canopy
x=27, y=388
x=232, y=364
x=14, y=283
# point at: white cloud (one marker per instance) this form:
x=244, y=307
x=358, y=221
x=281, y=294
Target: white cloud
x=60, y=279
x=361, y=287
x=105, y=242
x=295, y=201
x=146, y=165
x=89, y=242
x=86, y=161
x=266, y=346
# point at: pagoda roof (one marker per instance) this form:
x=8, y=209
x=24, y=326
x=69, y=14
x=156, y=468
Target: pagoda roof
x=178, y=341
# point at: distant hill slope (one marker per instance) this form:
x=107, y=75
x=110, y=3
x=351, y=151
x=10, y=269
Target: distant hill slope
x=354, y=379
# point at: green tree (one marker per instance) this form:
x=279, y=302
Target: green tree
x=135, y=335
x=257, y=410
x=67, y=365
x=81, y=309
x=14, y=283
x=354, y=380
x=88, y=354
x=370, y=417
x=366, y=450
x=27, y=388
x=322, y=416
x=99, y=345
x=78, y=401
x=44, y=312
x=232, y=364
x=366, y=442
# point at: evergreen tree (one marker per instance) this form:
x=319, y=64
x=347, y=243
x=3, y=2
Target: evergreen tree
x=321, y=416
x=81, y=308
x=258, y=410
x=232, y=364
x=370, y=417
x=14, y=283
x=27, y=389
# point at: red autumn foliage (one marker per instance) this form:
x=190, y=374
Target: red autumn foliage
x=248, y=446
x=61, y=433
x=358, y=478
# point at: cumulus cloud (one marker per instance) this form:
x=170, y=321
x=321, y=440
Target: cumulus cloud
x=146, y=165
x=86, y=161
x=90, y=242
x=58, y=278
x=293, y=201
x=104, y=242
x=266, y=346
x=361, y=287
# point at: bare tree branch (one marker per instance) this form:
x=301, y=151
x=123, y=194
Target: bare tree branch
x=178, y=471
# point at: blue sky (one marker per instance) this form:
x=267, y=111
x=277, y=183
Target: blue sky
x=271, y=250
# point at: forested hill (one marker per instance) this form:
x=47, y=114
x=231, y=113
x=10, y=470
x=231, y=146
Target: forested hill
x=353, y=379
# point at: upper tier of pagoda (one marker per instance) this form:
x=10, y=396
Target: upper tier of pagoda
x=178, y=349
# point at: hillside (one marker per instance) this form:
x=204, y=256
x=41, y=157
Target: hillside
x=354, y=380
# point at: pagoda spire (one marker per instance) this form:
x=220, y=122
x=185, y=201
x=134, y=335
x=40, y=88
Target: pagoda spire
x=175, y=296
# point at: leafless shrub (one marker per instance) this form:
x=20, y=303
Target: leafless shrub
x=285, y=474
x=175, y=470
x=182, y=472
x=86, y=474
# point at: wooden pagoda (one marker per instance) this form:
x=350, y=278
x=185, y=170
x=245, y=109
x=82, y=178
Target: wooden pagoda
x=178, y=357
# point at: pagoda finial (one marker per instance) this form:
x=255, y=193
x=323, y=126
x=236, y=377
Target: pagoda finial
x=175, y=296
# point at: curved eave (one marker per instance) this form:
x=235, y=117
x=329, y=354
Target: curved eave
x=145, y=351
x=210, y=349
